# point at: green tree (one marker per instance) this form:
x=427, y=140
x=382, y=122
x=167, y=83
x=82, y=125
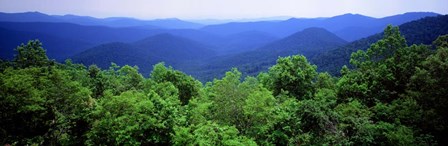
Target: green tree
x=210, y=133
x=134, y=118
x=129, y=78
x=247, y=105
x=325, y=81
x=4, y=64
x=293, y=75
x=355, y=123
x=118, y=79
x=42, y=105
x=188, y=87
x=96, y=81
x=428, y=86
x=228, y=99
x=31, y=54
x=318, y=119
x=259, y=110
x=122, y=120
x=383, y=71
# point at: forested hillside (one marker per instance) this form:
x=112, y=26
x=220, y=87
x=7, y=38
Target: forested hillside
x=308, y=43
x=395, y=94
x=177, y=51
x=422, y=31
x=251, y=52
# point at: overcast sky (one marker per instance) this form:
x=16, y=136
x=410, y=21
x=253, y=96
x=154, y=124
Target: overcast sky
x=223, y=9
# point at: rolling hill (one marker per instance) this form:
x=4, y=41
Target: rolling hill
x=422, y=31
x=308, y=42
x=57, y=48
x=173, y=50
x=348, y=26
x=64, y=39
x=210, y=51
x=93, y=34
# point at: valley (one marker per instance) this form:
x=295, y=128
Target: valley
x=347, y=79
x=203, y=51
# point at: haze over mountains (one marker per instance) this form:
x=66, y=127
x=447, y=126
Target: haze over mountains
x=308, y=42
x=172, y=23
x=159, y=48
x=348, y=26
x=198, y=49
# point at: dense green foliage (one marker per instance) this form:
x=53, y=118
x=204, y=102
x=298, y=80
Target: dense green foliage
x=422, y=31
x=394, y=95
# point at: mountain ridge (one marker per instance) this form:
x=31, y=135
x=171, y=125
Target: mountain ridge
x=170, y=23
x=168, y=48
x=333, y=60
x=252, y=62
x=333, y=24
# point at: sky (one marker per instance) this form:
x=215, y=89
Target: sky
x=223, y=9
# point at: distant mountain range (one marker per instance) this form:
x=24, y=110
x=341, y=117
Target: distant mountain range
x=207, y=51
x=172, y=23
x=308, y=42
x=348, y=26
x=176, y=51
x=63, y=40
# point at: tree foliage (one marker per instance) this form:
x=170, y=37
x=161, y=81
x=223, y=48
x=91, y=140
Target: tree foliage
x=293, y=75
x=31, y=54
x=395, y=95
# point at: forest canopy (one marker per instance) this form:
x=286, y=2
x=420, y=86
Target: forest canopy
x=396, y=94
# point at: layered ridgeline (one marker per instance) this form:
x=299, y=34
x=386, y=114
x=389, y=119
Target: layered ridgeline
x=308, y=42
x=63, y=39
x=174, y=50
x=172, y=23
x=349, y=26
x=395, y=95
x=314, y=43
x=64, y=36
x=251, y=46
x=202, y=60
x=421, y=31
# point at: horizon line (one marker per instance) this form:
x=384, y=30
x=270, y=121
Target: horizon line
x=268, y=18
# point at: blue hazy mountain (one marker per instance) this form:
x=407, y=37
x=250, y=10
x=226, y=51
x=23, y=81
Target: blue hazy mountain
x=200, y=60
x=174, y=50
x=64, y=39
x=348, y=26
x=222, y=21
x=57, y=47
x=89, y=36
x=308, y=42
x=211, y=50
x=28, y=17
x=241, y=42
x=172, y=23
x=94, y=34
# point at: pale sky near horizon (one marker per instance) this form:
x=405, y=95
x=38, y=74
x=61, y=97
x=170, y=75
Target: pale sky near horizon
x=223, y=9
